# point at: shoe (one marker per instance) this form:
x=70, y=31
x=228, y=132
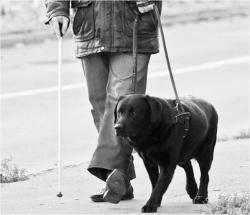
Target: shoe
x=98, y=197
x=117, y=186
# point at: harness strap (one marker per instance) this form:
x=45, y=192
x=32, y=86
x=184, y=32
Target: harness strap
x=183, y=118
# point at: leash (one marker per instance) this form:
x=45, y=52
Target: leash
x=167, y=59
x=182, y=116
x=135, y=53
x=59, y=112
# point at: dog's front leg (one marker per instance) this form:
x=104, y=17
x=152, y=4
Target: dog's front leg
x=165, y=177
x=153, y=172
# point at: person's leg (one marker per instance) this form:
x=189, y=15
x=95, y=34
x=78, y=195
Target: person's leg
x=112, y=152
x=96, y=71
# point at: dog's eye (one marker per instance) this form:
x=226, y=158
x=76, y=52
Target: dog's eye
x=120, y=111
x=132, y=113
x=118, y=114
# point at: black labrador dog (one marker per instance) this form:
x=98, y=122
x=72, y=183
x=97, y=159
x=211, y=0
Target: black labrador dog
x=149, y=124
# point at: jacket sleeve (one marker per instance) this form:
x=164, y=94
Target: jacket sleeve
x=56, y=8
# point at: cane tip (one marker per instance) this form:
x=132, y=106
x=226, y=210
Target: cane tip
x=59, y=195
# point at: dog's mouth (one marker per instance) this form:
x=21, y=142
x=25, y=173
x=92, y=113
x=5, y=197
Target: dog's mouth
x=121, y=133
x=127, y=135
x=131, y=142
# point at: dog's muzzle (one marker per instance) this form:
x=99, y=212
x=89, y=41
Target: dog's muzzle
x=119, y=129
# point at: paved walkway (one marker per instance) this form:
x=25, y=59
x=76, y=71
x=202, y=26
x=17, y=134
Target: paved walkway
x=229, y=174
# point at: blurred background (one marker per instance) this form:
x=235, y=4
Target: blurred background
x=20, y=18
x=208, y=43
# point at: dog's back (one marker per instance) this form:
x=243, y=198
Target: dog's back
x=200, y=106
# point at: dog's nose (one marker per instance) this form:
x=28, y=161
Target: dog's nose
x=118, y=126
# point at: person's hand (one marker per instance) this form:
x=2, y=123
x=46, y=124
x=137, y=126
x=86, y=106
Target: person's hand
x=59, y=25
x=145, y=6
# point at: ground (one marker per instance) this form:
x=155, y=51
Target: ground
x=210, y=60
x=229, y=174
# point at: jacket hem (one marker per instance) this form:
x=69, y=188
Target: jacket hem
x=87, y=52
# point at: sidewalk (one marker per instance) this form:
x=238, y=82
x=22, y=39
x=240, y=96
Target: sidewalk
x=229, y=174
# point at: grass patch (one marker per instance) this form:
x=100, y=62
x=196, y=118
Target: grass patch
x=243, y=134
x=231, y=204
x=10, y=172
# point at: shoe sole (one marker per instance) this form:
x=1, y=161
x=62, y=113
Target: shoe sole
x=128, y=196
x=101, y=199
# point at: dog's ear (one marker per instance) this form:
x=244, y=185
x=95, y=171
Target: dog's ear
x=155, y=109
x=115, y=110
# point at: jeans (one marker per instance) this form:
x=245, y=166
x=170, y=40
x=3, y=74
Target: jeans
x=109, y=76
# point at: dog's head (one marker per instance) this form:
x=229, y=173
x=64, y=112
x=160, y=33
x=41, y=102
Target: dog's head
x=135, y=115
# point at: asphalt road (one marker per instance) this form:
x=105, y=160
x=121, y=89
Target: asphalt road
x=211, y=60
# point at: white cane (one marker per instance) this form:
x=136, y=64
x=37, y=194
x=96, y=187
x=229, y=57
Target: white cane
x=59, y=127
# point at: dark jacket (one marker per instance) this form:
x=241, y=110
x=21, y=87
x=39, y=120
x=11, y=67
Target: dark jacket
x=107, y=26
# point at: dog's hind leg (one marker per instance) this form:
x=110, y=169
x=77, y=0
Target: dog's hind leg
x=202, y=195
x=191, y=186
x=205, y=159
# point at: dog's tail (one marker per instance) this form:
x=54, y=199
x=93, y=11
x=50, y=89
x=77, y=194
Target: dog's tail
x=212, y=131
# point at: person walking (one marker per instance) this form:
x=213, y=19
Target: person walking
x=103, y=34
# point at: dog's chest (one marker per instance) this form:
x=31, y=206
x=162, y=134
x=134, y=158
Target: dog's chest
x=154, y=156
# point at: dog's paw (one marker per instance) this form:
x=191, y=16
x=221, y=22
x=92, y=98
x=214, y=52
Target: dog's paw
x=149, y=209
x=200, y=200
x=192, y=191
